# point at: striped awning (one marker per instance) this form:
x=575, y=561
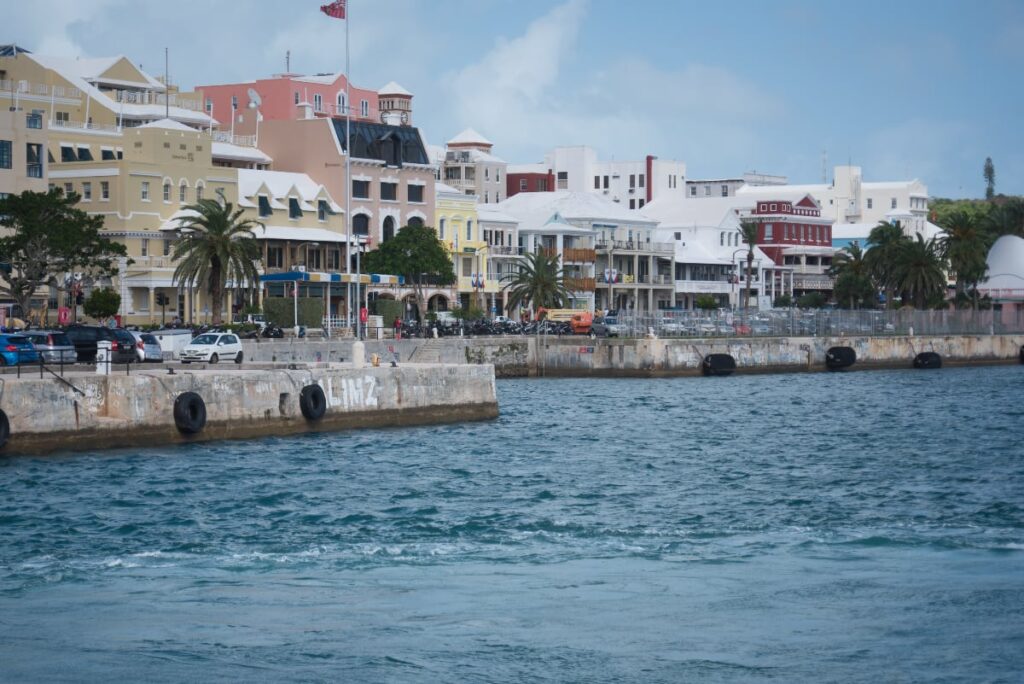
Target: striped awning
x=321, y=277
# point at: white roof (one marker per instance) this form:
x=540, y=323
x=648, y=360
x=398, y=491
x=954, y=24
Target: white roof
x=470, y=137
x=281, y=184
x=1005, y=264
x=393, y=88
x=534, y=209
x=323, y=79
x=486, y=213
x=302, y=234
x=440, y=187
x=480, y=156
x=676, y=210
x=528, y=168
x=223, y=150
x=169, y=124
x=89, y=69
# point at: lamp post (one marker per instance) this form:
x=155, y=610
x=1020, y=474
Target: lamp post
x=735, y=274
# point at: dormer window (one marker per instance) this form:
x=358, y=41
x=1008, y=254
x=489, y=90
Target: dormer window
x=294, y=210
x=264, y=203
x=322, y=210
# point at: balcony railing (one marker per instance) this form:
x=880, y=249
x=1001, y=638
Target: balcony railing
x=634, y=246
x=579, y=254
x=580, y=284
x=240, y=140
x=85, y=126
x=34, y=170
x=150, y=97
x=8, y=86
x=503, y=250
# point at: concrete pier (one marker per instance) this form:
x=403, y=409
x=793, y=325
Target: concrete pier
x=104, y=411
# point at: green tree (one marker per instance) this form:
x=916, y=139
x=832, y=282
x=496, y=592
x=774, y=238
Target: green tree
x=1006, y=218
x=706, y=303
x=964, y=245
x=885, y=247
x=416, y=254
x=989, y=172
x=103, y=302
x=48, y=240
x=783, y=301
x=539, y=282
x=919, y=271
x=748, y=234
x=811, y=300
x=216, y=246
x=853, y=282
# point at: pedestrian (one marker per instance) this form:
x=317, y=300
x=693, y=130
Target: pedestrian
x=398, y=327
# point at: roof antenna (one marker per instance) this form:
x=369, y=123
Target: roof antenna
x=288, y=61
x=167, y=86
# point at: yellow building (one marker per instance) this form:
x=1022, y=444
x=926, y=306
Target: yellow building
x=458, y=227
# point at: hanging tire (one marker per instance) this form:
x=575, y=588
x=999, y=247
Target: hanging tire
x=312, y=402
x=718, y=365
x=189, y=413
x=5, y=429
x=837, y=358
x=1022, y=354
x=928, y=360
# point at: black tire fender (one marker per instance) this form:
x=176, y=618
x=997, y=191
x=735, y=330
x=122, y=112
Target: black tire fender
x=189, y=413
x=312, y=402
x=5, y=429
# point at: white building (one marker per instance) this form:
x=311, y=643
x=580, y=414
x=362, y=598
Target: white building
x=467, y=165
x=727, y=187
x=610, y=255
x=709, y=254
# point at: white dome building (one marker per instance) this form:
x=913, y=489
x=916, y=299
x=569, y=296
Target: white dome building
x=1005, y=283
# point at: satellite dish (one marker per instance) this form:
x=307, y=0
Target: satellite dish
x=254, y=98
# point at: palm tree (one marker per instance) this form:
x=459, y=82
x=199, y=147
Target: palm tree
x=748, y=234
x=539, y=282
x=919, y=271
x=215, y=247
x=853, y=281
x=965, y=245
x=885, y=243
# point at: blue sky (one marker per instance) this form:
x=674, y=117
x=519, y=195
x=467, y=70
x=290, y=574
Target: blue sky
x=904, y=89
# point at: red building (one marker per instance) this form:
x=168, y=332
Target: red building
x=528, y=178
x=794, y=234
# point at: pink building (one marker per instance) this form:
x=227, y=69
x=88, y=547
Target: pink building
x=289, y=96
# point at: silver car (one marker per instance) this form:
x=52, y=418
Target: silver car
x=147, y=348
x=54, y=346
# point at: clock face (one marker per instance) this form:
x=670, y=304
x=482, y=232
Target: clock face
x=405, y=117
x=383, y=117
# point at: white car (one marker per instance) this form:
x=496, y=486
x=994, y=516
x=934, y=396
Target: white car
x=213, y=347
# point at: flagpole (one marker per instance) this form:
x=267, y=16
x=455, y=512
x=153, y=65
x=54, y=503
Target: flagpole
x=348, y=176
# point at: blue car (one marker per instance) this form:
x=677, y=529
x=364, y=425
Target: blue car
x=15, y=349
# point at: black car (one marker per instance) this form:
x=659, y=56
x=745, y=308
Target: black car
x=85, y=337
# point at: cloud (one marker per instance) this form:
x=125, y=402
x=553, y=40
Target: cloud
x=934, y=151
x=47, y=26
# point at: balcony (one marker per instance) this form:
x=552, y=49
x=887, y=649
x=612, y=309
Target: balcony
x=240, y=140
x=106, y=129
x=503, y=250
x=8, y=86
x=579, y=254
x=580, y=284
x=667, y=248
x=704, y=287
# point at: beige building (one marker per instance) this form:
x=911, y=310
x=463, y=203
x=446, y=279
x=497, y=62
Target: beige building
x=23, y=137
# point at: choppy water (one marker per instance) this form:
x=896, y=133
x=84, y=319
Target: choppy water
x=860, y=526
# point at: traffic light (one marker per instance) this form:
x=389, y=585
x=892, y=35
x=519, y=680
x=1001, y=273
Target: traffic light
x=161, y=299
x=79, y=298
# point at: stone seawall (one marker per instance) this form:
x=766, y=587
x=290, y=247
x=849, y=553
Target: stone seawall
x=120, y=411
x=582, y=356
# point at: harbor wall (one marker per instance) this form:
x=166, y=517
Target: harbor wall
x=138, y=409
x=577, y=355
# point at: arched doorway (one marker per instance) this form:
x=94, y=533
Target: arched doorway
x=416, y=222
x=388, y=231
x=438, y=303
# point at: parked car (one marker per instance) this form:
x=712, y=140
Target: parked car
x=85, y=337
x=147, y=347
x=213, y=347
x=15, y=349
x=609, y=326
x=671, y=326
x=53, y=345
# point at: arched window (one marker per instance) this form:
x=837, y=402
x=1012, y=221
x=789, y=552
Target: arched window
x=416, y=222
x=389, y=229
x=469, y=229
x=167, y=191
x=361, y=224
x=183, y=191
x=341, y=102
x=440, y=228
x=199, y=192
x=721, y=239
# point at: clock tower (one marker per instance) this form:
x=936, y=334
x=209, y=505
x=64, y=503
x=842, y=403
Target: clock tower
x=395, y=103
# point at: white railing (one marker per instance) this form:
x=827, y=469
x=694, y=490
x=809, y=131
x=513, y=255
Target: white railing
x=146, y=97
x=83, y=126
x=25, y=88
x=240, y=140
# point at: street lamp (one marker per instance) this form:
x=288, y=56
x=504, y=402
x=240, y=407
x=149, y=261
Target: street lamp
x=735, y=274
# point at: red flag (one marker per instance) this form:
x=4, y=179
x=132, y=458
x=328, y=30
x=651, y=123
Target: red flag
x=335, y=9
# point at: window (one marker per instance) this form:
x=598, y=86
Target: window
x=440, y=229
x=107, y=154
x=632, y=204
x=87, y=191
x=707, y=191
x=294, y=210
x=364, y=108
x=167, y=247
x=774, y=207
x=416, y=193
x=318, y=102
x=893, y=202
x=606, y=182
x=641, y=180
x=234, y=102
x=6, y=154
x=487, y=197
x=522, y=185
x=388, y=229
x=693, y=191
x=104, y=190
x=334, y=260
x=361, y=189
x=296, y=97
x=183, y=193
x=632, y=180
x=84, y=153
x=68, y=189
x=487, y=173
x=313, y=257
x=641, y=203
x=209, y=104
x=768, y=232
x=597, y=182
x=725, y=191
x=341, y=103
x=721, y=239
x=361, y=224
x=67, y=153
x=322, y=210
x=469, y=230
x=389, y=191
x=497, y=175
x=563, y=180
x=497, y=197
x=145, y=247
x=145, y=191
x=167, y=191
x=869, y=202
x=62, y=117
x=275, y=257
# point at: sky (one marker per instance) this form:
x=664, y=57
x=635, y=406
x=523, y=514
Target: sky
x=905, y=89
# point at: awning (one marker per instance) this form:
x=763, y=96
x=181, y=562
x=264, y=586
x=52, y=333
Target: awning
x=320, y=277
x=300, y=234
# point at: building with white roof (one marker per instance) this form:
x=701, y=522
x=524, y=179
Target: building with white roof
x=609, y=254
x=709, y=254
x=702, y=188
x=469, y=166
x=1005, y=281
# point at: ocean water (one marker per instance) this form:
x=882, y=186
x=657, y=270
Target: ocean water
x=853, y=527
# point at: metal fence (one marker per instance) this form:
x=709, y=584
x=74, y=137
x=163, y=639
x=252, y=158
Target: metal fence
x=819, y=322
